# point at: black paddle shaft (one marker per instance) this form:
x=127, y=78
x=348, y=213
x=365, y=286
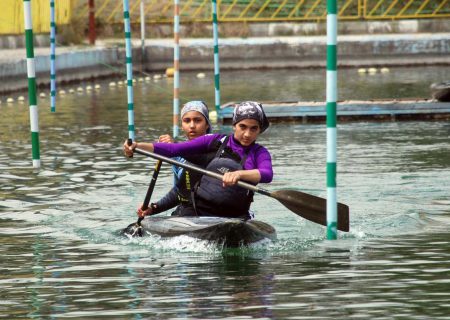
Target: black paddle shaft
x=200, y=170
x=150, y=189
x=305, y=205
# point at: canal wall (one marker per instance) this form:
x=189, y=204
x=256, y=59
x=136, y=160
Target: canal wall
x=108, y=56
x=304, y=52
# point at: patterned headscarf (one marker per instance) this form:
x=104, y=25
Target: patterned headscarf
x=251, y=110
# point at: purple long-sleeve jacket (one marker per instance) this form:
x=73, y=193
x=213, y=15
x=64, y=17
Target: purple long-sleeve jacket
x=258, y=156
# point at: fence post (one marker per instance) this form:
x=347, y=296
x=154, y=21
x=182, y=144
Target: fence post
x=31, y=74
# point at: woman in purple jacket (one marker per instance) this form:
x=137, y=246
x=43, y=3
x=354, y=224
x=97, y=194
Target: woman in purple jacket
x=238, y=157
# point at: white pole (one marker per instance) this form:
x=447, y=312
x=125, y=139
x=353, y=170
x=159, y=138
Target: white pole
x=128, y=53
x=176, y=67
x=143, y=31
x=52, y=57
x=216, y=56
x=331, y=118
x=31, y=74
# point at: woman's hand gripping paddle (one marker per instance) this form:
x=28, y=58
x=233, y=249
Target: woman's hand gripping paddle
x=136, y=228
x=305, y=205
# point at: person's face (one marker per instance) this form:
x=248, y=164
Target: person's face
x=246, y=131
x=194, y=124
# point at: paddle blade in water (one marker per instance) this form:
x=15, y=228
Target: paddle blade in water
x=311, y=207
x=133, y=230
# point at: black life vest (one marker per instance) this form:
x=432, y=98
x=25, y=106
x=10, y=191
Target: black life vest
x=189, y=180
x=211, y=198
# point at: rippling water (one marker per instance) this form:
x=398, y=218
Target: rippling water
x=61, y=256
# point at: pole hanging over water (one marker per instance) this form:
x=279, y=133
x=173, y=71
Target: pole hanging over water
x=142, y=12
x=52, y=57
x=216, y=56
x=331, y=118
x=128, y=54
x=176, y=67
x=92, y=32
x=31, y=73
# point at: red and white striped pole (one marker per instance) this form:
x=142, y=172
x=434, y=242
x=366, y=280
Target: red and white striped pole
x=92, y=34
x=176, y=67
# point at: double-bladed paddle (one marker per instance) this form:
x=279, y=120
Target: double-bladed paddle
x=305, y=205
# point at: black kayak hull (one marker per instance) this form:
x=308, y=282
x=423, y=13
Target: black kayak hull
x=441, y=91
x=224, y=231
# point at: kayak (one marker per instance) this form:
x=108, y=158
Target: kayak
x=229, y=232
x=441, y=91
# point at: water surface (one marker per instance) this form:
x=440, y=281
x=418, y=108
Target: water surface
x=61, y=256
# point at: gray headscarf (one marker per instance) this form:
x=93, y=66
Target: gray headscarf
x=198, y=106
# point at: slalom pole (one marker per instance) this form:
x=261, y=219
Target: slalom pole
x=142, y=31
x=176, y=67
x=331, y=118
x=216, y=56
x=31, y=73
x=52, y=57
x=92, y=32
x=128, y=54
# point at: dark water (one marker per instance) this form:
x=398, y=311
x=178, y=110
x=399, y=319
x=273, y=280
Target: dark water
x=62, y=258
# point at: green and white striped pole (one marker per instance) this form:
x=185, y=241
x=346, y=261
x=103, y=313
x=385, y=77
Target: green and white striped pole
x=52, y=57
x=331, y=118
x=128, y=54
x=31, y=73
x=176, y=68
x=216, y=56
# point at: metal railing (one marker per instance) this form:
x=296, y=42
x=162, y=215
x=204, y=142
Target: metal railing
x=406, y=9
x=161, y=11
x=11, y=15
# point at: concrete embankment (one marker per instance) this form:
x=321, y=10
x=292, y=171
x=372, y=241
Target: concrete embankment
x=306, y=52
x=108, y=57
